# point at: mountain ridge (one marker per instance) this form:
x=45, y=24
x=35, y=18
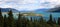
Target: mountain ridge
x=56, y=9
x=8, y=9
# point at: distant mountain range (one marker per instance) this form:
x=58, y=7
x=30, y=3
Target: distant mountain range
x=56, y=9
x=7, y=9
x=44, y=10
x=14, y=10
x=37, y=10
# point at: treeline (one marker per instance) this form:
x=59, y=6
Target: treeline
x=25, y=22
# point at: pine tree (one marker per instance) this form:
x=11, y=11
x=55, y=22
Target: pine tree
x=1, y=19
x=10, y=21
x=35, y=22
x=58, y=20
x=50, y=21
x=29, y=23
x=5, y=21
x=42, y=22
x=24, y=21
x=19, y=21
x=31, y=18
x=54, y=21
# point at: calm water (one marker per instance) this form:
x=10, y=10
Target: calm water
x=45, y=15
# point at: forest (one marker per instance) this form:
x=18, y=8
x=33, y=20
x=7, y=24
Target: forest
x=25, y=22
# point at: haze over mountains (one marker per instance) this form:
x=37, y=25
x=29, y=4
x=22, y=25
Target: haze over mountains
x=14, y=10
x=43, y=9
x=56, y=9
x=8, y=9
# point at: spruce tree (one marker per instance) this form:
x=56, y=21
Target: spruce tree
x=35, y=22
x=30, y=23
x=1, y=18
x=5, y=21
x=54, y=21
x=19, y=21
x=10, y=19
x=42, y=22
x=58, y=20
x=24, y=21
x=50, y=21
x=31, y=18
x=27, y=25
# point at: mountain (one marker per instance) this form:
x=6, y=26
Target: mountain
x=7, y=9
x=14, y=10
x=56, y=9
x=41, y=10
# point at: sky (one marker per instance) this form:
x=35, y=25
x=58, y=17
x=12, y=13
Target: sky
x=29, y=4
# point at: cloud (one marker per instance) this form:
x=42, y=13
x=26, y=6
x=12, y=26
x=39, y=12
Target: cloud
x=28, y=4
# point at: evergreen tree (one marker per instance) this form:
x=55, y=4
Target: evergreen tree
x=5, y=21
x=51, y=17
x=42, y=22
x=58, y=20
x=24, y=21
x=29, y=22
x=54, y=21
x=35, y=22
x=1, y=19
x=50, y=20
x=27, y=25
x=10, y=21
x=31, y=18
x=19, y=21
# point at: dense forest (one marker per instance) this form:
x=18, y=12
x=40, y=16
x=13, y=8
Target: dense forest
x=25, y=22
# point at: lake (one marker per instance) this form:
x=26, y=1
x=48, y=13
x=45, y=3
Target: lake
x=45, y=15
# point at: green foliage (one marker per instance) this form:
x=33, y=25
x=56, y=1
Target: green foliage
x=50, y=20
x=31, y=18
x=10, y=21
x=5, y=21
x=23, y=21
x=54, y=21
x=58, y=20
x=42, y=22
x=19, y=21
x=1, y=19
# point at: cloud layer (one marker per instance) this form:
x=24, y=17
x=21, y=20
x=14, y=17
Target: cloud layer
x=28, y=4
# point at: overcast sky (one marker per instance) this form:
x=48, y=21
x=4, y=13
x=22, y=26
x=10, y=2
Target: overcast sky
x=29, y=4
